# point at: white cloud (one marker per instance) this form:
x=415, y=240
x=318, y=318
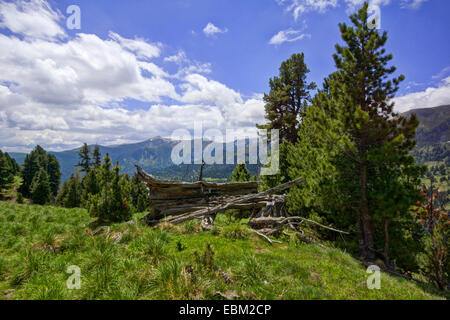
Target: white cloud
x=61, y=92
x=186, y=65
x=198, y=89
x=429, y=98
x=210, y=30
x=179, y=58
x=289, y=35
x=442, y=73
x=33, y=19
x=413, y=4
x=85, y=69
x=299, y=7
x=140, y=47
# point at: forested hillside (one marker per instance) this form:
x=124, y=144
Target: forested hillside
x=434, y=125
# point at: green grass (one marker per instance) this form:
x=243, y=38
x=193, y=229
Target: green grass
x=38, y=243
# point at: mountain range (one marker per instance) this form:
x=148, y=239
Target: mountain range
x=154, y=155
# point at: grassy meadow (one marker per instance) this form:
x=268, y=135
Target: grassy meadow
x=133, y=261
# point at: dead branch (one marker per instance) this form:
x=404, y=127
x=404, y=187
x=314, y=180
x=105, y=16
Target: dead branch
x=309, y=240
x=261, y=222
x=265, y=237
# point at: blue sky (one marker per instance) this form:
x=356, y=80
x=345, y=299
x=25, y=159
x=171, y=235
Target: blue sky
x=138, y=69
x=242, y=57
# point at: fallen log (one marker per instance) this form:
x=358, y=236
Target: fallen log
x=230, y=204
x=173, y=198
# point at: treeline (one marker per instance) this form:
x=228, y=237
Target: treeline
x=95, y=185
x=355, y=154
x=99, y=187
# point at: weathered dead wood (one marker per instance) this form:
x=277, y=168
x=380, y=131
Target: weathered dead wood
x=207, y=222
x=263, y=222
x=182, y=185
x=229, y=205
x=275, y=226
x=265, y=237
x=309, y=240
x=173, y=198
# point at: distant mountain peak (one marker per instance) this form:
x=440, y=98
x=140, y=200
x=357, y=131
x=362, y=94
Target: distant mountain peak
x=434, y=126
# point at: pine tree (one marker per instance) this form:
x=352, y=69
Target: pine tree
x=282, y=176
x=90, y=185
x=139, y=194
x=35, y=160
x=111, y=203
x=40, y=188
x=96, y=156
x=54, y=173
x=353, y=145
x=13, y=165
x=120, y=190
x=85, y=158
x=70, y=193
x=288, y=96
x=240, y=173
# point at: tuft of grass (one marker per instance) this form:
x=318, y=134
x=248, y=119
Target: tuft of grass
x=235, y=231
x=252, y=270
x=191, y=226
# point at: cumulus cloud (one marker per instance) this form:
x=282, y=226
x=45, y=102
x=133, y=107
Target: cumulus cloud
x=60, y=91
x=430, y=97
x=210, y=30
x=85, y=69
x=35, y=19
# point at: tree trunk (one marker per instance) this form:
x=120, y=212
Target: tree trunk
x=366, y=242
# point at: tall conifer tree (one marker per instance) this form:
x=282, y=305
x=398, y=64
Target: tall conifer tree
x=288, y=96
x=354, y=149
x=84, y=156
